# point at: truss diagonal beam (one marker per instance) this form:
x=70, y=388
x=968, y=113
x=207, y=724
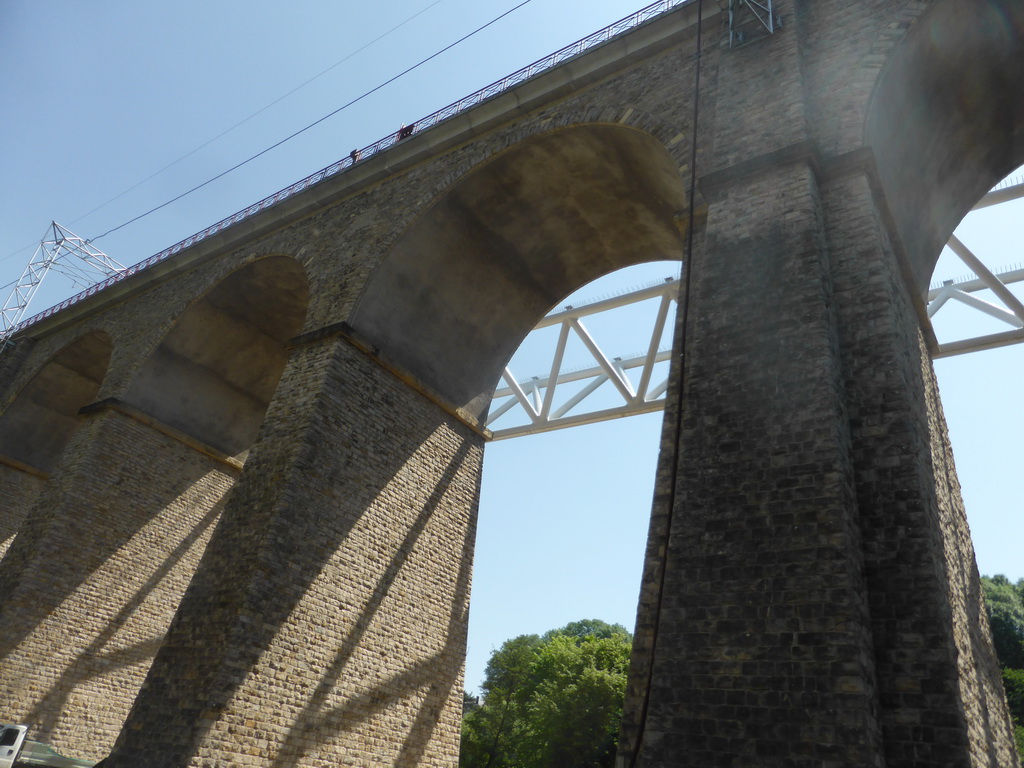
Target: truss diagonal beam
x=62, y=250
x=556, y=366
x=536, y=396
x=991, y=282
x=741, y=11
x=990, y=309
x=1011, y=310
x=616, y=375
x=1001, y=195
x=652, y=348
x=521, y=396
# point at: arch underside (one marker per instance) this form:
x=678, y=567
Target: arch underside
x=215, y=372
x=470, y=278
x=946, y=121
x=36, y=426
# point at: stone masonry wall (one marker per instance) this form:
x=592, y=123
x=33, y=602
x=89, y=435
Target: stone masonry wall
x=940, y=692
x=19, y=488
x=95, y=575
x=336, y=586
x=12, y=361
x=762, y=596
x=19, y=484
x=645, y=630
x=820, y=607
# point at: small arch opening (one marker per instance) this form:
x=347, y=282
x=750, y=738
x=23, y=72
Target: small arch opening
x=39, y=422
x=946, y=120
x=214, y=373
x=470, y=278
x=979, y=366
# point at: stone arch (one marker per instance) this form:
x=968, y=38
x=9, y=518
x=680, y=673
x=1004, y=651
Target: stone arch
x=540, y=125
x=134, y=502
x=946, y=121
x=216, y=369
x=471, y=276
x=40, y=420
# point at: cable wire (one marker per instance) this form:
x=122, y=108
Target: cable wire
x=12, y=254
x=225, y=132
x=680, y=400
x=258, y=112
x=317, y=122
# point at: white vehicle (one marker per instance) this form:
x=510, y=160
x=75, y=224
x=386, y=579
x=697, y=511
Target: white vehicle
x=18, y=752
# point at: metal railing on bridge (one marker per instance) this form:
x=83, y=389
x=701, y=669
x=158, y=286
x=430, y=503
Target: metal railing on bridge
x=541, y=65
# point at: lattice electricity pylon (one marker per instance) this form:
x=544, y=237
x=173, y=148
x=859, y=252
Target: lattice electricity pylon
x=536, y=395
x=64, y=251
x=1009, y=310
x=750, y=19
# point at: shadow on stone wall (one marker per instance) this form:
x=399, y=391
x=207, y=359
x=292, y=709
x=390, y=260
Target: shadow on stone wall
x=331, y=509
x=319, y=718
x=102, y=656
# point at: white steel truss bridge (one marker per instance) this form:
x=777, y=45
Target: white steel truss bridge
x=611, y=387
x=604, y=387
x=638, y=381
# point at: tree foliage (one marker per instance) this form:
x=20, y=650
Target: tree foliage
x=1005, y=604
x=551, y=702
x=1013, y=681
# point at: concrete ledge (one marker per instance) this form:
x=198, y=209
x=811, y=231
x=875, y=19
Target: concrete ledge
x=350, y=335
x=801, y=152
x=21, y=466
x=123, y=408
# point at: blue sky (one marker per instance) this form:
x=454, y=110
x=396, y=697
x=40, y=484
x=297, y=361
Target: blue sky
x=100, y=96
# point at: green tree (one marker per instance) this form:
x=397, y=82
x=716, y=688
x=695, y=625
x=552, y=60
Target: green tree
x=492, y=731
x=551, y=702
x=1004, y=602
x=1013, y=681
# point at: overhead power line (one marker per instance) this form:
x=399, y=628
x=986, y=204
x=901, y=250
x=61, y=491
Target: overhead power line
x=225, y=132
x=299, y=132
x=260, y=111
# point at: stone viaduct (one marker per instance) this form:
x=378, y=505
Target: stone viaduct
x=243, y=481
